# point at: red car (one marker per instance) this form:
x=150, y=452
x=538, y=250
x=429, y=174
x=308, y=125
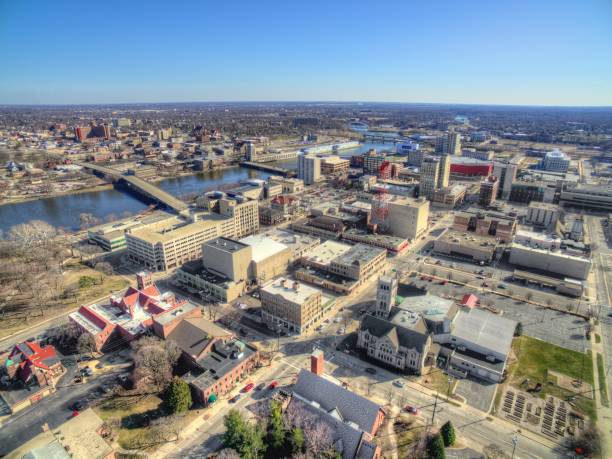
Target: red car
x=248, y=387
x=273, y=385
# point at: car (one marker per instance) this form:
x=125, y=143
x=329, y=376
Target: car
x=484, y=284
x=260, y=386
x=235, y=398
x=338, y=320
x=371, y=370
x=273, y=385
x=502, y=286
x=243, y=332
x=479, y=277
x=79, y=405
x=248, y=387
x=86, y=371
x=100, y=365
x=398, y=383
x=412, y=410
x=341, y=330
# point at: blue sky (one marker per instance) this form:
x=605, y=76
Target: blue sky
x=499, y=52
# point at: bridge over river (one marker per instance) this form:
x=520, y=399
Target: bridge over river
x=140, y=186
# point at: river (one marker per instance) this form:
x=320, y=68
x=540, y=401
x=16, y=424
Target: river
x=63, y=211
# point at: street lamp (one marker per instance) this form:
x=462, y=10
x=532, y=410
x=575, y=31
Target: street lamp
x=514, y=443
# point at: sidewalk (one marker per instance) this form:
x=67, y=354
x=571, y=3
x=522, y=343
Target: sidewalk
x=604, y=413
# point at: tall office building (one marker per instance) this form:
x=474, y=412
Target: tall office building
x=444, y=172
x=506, y=172
x=430, y=171
x=309, y=168
x=449, y=144
x=488, y=191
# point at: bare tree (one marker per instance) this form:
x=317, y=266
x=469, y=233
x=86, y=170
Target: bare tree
x=88, y=220
x=168, y=428
x=86, y=344
x=153, y=362
x=318, y=438
x=229, y=453
x=105, y=268
x=110, y=218
x=389, y=395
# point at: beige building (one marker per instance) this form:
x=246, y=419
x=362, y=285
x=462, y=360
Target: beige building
x=269, y=258
x=552, y=261
x=408, y=217
x=334, y=165
x=360, y=262
x=450, y=197
x=243, y=211
x=289, y=185
x=169, y=244
x=290, y=305
x=228, y=257
x=468, y=245
x=430, y=171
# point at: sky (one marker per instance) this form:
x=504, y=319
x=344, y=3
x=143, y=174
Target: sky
x=536, y=52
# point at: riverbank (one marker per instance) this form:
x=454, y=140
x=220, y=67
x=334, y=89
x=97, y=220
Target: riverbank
x=37, y=197
x=108, y=186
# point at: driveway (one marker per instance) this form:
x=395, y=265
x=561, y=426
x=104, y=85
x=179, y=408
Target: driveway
x=476, y=393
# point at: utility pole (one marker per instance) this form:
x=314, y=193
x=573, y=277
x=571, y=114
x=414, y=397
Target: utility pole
x=514, y=443
x=433, y=414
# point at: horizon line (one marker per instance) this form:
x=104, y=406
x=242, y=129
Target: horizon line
x=355, y=102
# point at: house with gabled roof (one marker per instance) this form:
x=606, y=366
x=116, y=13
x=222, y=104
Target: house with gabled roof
x=132, y=314
x=353, y=420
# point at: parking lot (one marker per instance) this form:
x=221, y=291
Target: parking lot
x=555, y=327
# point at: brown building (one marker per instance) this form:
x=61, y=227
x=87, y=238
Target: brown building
x=486, y=223
x=334, y=165
x=488, y=191
x=218, y=372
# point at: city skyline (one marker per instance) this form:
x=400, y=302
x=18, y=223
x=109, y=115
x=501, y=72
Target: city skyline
x=475, y=54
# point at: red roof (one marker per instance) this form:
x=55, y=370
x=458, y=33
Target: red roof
x=469, y=300
x=30, y=354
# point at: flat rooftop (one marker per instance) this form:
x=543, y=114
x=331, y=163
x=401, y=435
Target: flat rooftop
x=408, y=201
x=288, y=292
x=485, y=329
x=326, y=252
x=225, y=244
x=554, y=253
x=263, y=247
x=359, y=254
x=175, y=230
x=469, y=238
x=430, y=307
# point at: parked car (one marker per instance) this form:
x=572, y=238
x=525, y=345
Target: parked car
x=260, y=386
x=341, y=330
x=235, y=398
x=412, y=410
x=371, y=370
x=248, y=387
x=398, y=383
x=502, y=286
x=273, y=385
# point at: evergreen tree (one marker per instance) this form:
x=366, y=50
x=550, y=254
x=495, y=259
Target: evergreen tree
x=297, y=440
x=179, y=396
x=448, y=434
x=518, y=331
x=245, y=438
x=435, y=448
x=277, y=433
x=235, y=428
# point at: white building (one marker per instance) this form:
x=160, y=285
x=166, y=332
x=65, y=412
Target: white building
x=309, y=168
x=542, y=214
x=555, y=161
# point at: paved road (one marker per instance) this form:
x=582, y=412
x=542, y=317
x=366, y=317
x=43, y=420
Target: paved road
x=53, y=410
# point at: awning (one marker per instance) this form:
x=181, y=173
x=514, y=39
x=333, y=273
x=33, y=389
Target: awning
x=212, y=398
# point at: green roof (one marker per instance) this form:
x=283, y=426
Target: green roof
x=212, y=398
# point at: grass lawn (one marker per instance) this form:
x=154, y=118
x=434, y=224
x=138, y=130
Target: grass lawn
x=603, y=388
x=438, y=381
x=536, y=357
x=129, y=415
x=34, y=315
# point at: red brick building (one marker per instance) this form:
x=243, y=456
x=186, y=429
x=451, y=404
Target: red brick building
x=32, y=363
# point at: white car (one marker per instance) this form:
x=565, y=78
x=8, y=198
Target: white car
x=398, y=383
